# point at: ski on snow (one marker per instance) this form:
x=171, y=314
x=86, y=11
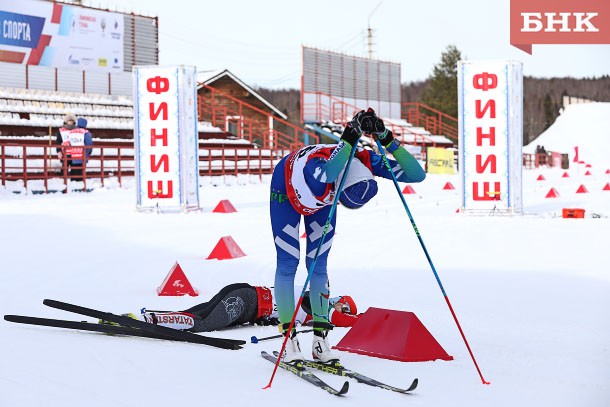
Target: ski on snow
x=300, y=371
x=169, y=333
x=128, y=326
x=80, y=325
x=84, y=326
x=340, y=370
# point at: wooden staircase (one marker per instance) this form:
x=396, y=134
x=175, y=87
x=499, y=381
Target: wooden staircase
x=250, y=123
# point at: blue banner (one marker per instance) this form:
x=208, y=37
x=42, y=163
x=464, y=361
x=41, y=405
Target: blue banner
x=20, y=30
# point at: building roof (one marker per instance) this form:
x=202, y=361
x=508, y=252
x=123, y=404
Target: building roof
x=209, y=77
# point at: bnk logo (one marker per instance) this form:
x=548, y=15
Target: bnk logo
x=559, y=22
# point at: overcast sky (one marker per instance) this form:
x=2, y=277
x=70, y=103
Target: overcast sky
x=260, y=41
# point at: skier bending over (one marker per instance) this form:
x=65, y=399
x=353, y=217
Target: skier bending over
x=305, y=183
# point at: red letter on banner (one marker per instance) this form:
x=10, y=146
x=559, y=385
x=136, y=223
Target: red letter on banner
x=481, y=167
x=487, y=194
x=164, y=160
x=161, y=109
x=158, y=193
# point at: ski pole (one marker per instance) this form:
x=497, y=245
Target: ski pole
x=254, y=339
x=313, y=263
x=421, y=242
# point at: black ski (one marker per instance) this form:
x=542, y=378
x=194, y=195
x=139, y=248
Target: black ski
x=84, y=326
x=340, y=370
x=300, y=371
x=168, y=333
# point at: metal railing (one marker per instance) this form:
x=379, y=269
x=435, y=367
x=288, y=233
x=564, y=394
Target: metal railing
x=213, y=107
x=434, y=121
x=34, y=160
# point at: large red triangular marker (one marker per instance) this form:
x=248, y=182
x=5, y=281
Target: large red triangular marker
x=448, y=185
x=606, y=187
x=394, y=335
x=540, y=178
x=176, y=283
x=581, y=190
x=226, y=248
x=408, y=190
x=225, y=206
x=552, y=193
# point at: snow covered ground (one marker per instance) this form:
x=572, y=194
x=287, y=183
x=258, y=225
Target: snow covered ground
x=532, y=293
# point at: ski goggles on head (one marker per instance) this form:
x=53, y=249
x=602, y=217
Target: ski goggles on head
x=345, y=308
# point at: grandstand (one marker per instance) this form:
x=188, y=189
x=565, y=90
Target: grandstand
x=238, y=130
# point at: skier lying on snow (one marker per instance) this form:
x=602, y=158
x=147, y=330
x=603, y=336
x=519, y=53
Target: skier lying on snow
x=242, y=303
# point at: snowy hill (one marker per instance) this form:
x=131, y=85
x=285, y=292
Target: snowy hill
x=580, y=125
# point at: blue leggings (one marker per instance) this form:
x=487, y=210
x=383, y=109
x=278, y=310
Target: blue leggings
x=285, y=221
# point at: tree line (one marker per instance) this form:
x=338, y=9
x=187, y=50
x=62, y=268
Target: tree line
x=542, y=97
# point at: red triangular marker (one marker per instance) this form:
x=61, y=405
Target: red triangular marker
x=581, y=190
x=552, y=193
x=408, y=190
x=448, y=185
x=394, y=335
x=540, y=178
x=224, y=206
x=176, y=284
x=565, y=175
x=606, y=187
x=226, y=248
x=588, y=173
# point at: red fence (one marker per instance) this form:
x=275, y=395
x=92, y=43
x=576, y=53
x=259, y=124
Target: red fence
x=34, y=160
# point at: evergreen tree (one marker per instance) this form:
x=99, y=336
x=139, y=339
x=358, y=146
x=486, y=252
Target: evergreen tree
x=441, y=92
x=551, y=111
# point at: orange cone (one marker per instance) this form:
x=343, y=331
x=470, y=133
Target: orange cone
x=552, y=193
x=408, y=190
x=448, y=185
x=226, y=248
x=581, y=190
x=224, y=206
x=176, y=284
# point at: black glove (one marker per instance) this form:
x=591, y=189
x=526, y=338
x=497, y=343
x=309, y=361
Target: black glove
x=385, y=137
x=350, y=135
x=363, y=121
x=266, y=321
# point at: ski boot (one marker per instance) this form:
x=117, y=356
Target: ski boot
x=320, y=349
x=292, y=352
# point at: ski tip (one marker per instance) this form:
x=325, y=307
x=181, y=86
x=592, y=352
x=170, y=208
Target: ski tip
x=344, y=388
x=413, y=385
x=254, y=339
